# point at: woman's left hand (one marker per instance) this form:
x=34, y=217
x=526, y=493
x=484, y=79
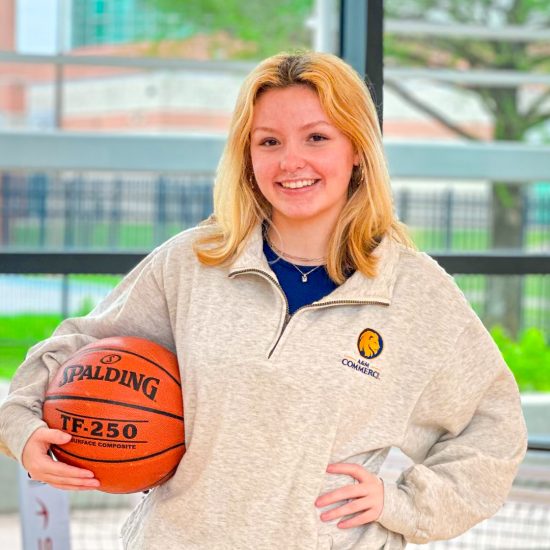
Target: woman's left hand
x=366, y=497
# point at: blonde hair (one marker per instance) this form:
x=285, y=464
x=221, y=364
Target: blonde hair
x=239, y=205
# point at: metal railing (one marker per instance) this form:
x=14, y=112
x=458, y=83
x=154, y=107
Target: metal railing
x=108, y=263
x=511, y=162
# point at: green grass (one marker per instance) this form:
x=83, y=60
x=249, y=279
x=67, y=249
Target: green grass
x=18, y=333
x=17, y=327
x=144, y=236
x=95, y=235
x=467, y=239
x=462, y=239
x=108, y=280
x=10, y=358
x=528, y=358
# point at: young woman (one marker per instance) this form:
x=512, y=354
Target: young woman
x=311, y=339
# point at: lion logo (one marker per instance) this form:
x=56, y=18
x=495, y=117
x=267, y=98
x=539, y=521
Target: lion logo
x=370, y=343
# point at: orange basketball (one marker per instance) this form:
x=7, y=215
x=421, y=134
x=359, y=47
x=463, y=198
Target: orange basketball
x=121, y=400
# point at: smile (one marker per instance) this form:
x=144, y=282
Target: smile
x=297, y=184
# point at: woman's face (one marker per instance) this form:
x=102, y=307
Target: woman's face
x=302, y=163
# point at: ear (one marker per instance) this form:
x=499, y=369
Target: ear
x=356, y=159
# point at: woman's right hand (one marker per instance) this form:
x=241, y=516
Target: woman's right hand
x=42, y=467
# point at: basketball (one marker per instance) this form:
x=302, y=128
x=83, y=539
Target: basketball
x=121, y=400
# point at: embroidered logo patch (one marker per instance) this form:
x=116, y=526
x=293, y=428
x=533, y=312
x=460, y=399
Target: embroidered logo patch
x=370, y=343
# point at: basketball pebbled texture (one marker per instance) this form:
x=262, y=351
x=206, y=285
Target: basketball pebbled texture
x=121, y=400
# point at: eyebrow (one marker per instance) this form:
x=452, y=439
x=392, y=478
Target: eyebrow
x=304, y=127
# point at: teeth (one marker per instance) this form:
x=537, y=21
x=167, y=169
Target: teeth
x=297, y=184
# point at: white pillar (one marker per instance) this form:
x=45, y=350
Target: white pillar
x=324, y=24
x=45, y=519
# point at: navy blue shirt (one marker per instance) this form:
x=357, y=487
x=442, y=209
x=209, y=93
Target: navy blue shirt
x=298, y=293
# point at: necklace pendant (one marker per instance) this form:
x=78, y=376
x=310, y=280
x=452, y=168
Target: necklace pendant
x=304, y=278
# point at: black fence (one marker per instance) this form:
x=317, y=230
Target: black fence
x=99, y=212
x=138, y=211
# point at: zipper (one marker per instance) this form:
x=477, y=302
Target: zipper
x=282, y=292
x=315, y=305
x=346, y=302
x=322, y=305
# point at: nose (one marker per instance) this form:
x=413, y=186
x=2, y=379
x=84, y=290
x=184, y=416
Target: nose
x=291, y=161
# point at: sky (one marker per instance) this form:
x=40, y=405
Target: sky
x=36, y=26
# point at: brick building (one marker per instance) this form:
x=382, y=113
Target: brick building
x=114, y=99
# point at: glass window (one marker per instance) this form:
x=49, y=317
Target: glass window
x=192, y=98
x=467, y=72
x=461, y=71
x=35, y=25
x=26, y=96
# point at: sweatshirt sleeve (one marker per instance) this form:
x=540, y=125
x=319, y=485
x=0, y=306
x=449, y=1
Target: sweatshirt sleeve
x=467, y=437
x=136, y=307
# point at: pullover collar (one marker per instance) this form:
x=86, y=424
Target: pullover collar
x=358, y=288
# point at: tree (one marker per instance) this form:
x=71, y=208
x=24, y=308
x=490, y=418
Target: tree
x=265, y=28
x=513, y=118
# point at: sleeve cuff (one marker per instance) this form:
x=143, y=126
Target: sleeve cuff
x=398, y=514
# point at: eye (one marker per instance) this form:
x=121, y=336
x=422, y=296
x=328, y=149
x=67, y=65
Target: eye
x=268, y=142
x=318, y=137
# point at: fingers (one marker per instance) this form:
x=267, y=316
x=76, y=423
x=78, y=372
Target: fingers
x=354, y=470
x=357, y=505
x=360, y=519
x=52, y=468
x=42, y=467
x=54, y=437
x=366, y=498
x=367, y=482
x=39, y=443
x=72, y=483
x=62, y=475
x=344, y=493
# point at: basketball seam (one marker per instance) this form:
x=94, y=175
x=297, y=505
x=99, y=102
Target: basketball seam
x=113, y=461
x=101, y=417
x=112, y=402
